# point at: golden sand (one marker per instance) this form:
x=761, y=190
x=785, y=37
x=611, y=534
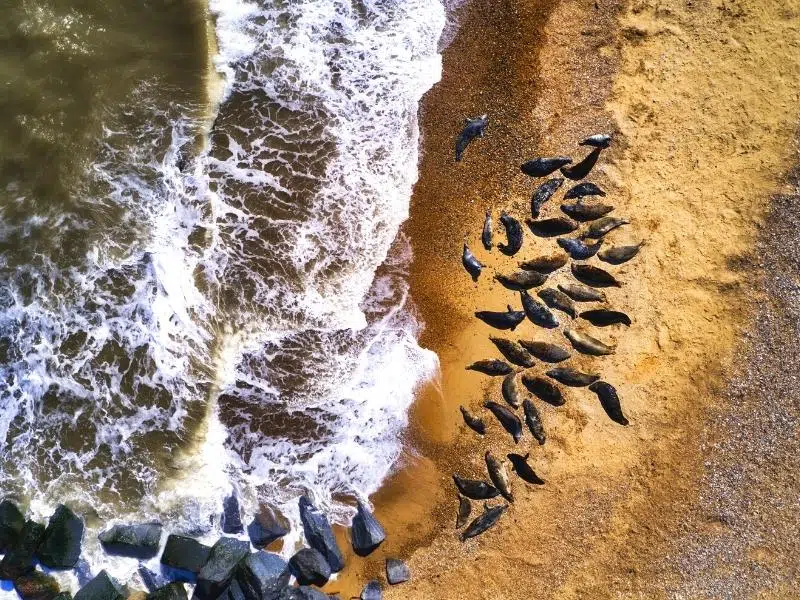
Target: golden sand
x=702, y=96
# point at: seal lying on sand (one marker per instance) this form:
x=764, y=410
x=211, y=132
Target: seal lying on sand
x=534, y=421
x=513, y=352
x=471, y=264
x=586, y=344
x=543, y=166
x=578, y=249
x=551, y=227
x=486, y=234
x=582, y=293
x=498, y=475
x=510, y=390
x=502, y=320
x=543, y=193
x=473, y=128
x=543, y=389
x=610, y=401
x=523, y=469
x=594, y=276
x=571, y=377
x=603, y=317
x=545, y=264
x=475, y=489
x=508, y=419
x=620, y=254
x=602, y=226
x=486, y=521
x=545, y=351
x=583, y=168
x=558, y=300
x=598, y=140
x=537, y=312
x=583, y=212
x=582, y=190
x=513, y=233
x=490, y=366
x=521, y=280
x=474, y=423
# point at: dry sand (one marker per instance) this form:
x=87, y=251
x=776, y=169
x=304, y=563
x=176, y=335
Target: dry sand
x=703, y=98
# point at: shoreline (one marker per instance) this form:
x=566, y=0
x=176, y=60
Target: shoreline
x=624, y=487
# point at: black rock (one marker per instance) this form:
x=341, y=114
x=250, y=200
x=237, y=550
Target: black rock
x=372, y=591
x=171, y=591
x=220, y=567
x=151, y=580
x=11, y=523
x=310, y=567
x=267, y=526
x=61, y=546
x=35, y=585
x=367, y=534
x=185, y=553
x=233, y=592
x=303, y=592
x=319, y=534
x=231, y=515
x=63, y=596
x=396, y=571
x=263, y=576
x=102, y=587
x=19, y=558
x=137, y=541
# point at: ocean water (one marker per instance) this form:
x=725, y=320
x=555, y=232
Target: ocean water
x=202, y=287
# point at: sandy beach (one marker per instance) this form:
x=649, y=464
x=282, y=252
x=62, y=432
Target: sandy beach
x=702, y=100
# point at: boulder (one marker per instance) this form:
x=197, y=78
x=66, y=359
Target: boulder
x=220, y=567
x=61, y=546
x=151, y=580
x=136, y=541
x=372, y=591
x=171, y=591
x=35, y=585
x=310, y=567
x=263, y=576
x=396, y=571
x=102, y=587
x=319, y=534
x=11, y=523
x=231, y=515
x=185, y=553
x=366, y=533
x=303, y=592
x=268, y=525
x=20, y=557
x=232, y=592
x=63, y=596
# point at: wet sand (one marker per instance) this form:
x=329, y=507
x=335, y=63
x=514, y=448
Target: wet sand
x=702, y=99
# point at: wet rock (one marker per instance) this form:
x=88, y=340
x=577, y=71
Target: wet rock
x=233, y=592
x=263, y=576
x=372, y=591
x=310, y=567
x=137, y=541
x=397, y=571
x=303, y=592
x=151, y=580
x=366, y=532
x=61, y=546
x=11, y=523
x=102, y=587
x=185, y=553
x=171, y=591
x=220, y=567
x=319, y=534
x=268, y=525
x=35, y=585
x=231, y=515
x=19, y=558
